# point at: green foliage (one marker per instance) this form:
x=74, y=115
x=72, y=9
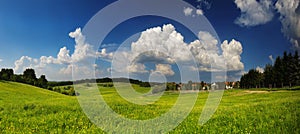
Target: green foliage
x=253, y=79
x=237, y=85
x=108, y=85
x=17, y=78
x=284, y=73
x=42, y=82
x=61, y=83
x=6, y=74
x=29, y=76
x=66, y=90
x=171, y=86
x=269, y=76
x=145, y=84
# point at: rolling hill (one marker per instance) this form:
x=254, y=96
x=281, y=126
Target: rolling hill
x=28, y=109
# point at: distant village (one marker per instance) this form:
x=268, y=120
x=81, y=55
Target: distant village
x=202, y=86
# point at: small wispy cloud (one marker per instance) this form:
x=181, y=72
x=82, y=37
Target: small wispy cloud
x=204, y=4
x=260, y=69
x=199, y=12
x=271, y=58
x=190, y=11
x=187, y=11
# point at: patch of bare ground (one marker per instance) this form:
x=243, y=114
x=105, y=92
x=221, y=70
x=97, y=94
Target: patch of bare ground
x=256, y=92
x=248, y=92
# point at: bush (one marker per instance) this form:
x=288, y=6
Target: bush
x=145, y=84
x=72, y=92
x=108, y=85
x=29, y=106
x=65, y=92
x=56, y=89
x=50, y=88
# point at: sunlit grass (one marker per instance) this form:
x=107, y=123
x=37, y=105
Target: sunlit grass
x=27, y=109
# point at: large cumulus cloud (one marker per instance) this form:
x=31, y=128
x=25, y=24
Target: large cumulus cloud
x=290, y=18
x=61, y=66
x=258, y=12
x=232, y=53
x=164, y=45
x=254, y=12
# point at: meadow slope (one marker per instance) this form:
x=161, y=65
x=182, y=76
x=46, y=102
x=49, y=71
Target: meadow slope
x=27, y=109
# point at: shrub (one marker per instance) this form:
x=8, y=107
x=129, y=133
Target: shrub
x=72, y=92
x=29, y=106
x=65, y=92
x=50, y=88
x=108, y=85
x=56, y=89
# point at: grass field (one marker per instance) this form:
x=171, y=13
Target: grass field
x=27, y=109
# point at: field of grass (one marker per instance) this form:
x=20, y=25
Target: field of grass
x=27, y=109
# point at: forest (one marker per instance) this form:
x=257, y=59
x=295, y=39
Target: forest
x=284, y=73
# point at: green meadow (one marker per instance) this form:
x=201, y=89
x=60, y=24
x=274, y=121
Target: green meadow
x=28, y=109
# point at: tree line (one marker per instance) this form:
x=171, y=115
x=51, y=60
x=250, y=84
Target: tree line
x=28, y=77
x=64, y=87
x=285, y=72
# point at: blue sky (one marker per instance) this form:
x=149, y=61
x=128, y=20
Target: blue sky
x=41, y=28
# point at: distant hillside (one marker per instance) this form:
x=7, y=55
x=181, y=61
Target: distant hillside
x=23, y=92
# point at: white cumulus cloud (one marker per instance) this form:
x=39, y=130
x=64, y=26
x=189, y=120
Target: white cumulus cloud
x=63, y=56
x=160, y=43
x=289, y=11
x=254, y=12
x=65, y=62
x=137, y=68
x=164, y=69
x=199, y=12
x=257, y=12
x=187, y=11
x=104, y=54
x=190, y=11
x=232, y=53
x=165, y=46
x=82, y=50
x=25, y=62
x=259, y=69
